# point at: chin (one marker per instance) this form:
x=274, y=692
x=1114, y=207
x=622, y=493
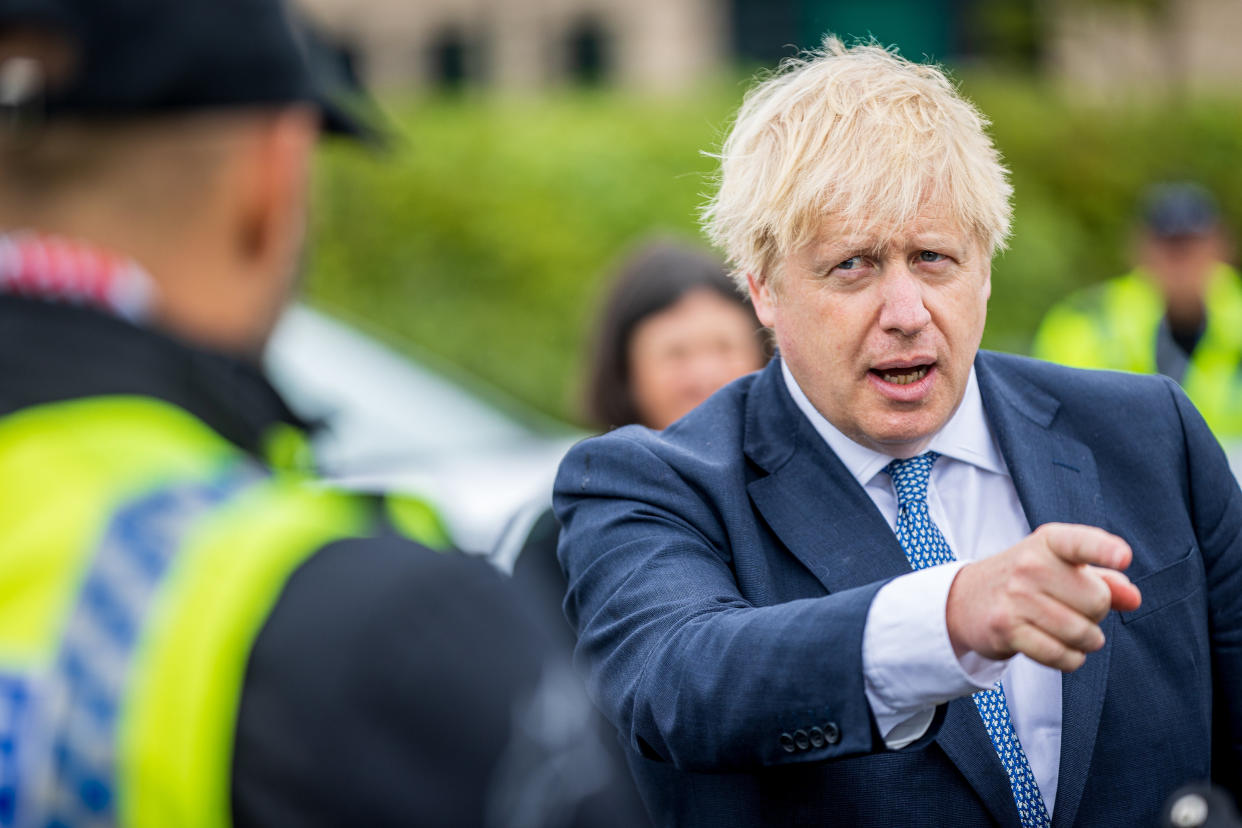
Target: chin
x=905, y=434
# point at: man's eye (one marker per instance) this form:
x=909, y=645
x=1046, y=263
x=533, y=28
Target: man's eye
x=852, y=263
x=930, y=256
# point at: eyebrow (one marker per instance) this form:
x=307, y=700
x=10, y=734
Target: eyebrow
x=839, y=251
x=842, y=249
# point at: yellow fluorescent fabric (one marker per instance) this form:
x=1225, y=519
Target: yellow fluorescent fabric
x=64, y=467
x=417, y=520
x=178, y=719
x=67, y=470
x=1114, y=326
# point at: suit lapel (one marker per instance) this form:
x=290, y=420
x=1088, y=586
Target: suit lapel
x=809, y=499
x=1056, y=480
x=965, y=740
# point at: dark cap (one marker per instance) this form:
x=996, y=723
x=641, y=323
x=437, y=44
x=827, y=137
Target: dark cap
x=1180, y=209
x=145, y=57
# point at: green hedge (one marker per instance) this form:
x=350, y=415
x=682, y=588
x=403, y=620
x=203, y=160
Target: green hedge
x=484, y=235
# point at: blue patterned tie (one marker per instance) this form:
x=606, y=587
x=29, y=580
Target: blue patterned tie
x=925, y=546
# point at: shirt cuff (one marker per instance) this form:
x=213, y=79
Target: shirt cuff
x=909, y=666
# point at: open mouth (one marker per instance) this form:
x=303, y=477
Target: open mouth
x=902, y=376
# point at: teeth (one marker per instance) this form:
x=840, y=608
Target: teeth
x=906, y=378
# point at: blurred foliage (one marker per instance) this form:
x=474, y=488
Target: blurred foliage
x=486, y=234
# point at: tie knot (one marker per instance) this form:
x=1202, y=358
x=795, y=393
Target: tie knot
x=910, y=477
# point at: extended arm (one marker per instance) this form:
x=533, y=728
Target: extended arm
x=679, y=660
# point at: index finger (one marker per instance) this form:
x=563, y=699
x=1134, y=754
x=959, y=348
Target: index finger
x=1077, y=544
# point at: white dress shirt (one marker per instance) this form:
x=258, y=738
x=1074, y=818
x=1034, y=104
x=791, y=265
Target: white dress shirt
x=908, y=662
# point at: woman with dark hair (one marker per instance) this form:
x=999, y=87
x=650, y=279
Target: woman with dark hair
x=672, y=331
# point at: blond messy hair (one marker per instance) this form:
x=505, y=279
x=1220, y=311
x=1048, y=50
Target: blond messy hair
x=859, y=135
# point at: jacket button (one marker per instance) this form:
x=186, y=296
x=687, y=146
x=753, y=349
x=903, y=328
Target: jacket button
x=787, y=743
x=832, y=733
x=817, y=737
x=801, y=740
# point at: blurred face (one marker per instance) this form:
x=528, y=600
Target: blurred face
x=880, y=329
x=681, y=355
x=1183, y=265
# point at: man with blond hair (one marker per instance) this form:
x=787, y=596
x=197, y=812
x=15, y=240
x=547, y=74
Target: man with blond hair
x=893, y=579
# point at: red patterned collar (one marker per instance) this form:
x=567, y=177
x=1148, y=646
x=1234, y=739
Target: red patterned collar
x=58, y=269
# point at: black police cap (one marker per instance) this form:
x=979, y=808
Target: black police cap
x=1180, y=208
x=145, y=57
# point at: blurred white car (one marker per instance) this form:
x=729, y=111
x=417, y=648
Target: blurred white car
x=389, y=423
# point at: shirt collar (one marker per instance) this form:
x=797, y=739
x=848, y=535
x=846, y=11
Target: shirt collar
x=966, y=437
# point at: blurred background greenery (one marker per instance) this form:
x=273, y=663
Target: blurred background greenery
x=484, y=236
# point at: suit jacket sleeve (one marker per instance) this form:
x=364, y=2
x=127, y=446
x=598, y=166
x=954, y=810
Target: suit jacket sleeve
x=686, y=667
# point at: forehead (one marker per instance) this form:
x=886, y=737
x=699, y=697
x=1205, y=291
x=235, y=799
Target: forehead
x=932, y=226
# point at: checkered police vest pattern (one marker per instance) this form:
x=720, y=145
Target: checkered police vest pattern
x=926, y=546
x=58, y=732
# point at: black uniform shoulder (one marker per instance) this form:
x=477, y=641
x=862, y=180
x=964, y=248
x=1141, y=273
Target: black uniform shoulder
x=388, y=686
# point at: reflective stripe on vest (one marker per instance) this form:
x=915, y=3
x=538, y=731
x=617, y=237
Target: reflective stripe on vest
x=142, y=555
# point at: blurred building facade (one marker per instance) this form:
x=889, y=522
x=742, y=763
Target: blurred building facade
x=1095, y=48
x=652, y=45
x=647, y=45
x=1138, y=48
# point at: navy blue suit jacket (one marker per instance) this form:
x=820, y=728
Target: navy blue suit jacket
x=720, y=574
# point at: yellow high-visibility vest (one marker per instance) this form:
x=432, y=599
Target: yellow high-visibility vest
x=142, y=554
x=1114, y=326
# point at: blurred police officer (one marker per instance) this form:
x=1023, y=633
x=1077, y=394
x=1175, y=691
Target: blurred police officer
x=1178, y=313
x=190, y=635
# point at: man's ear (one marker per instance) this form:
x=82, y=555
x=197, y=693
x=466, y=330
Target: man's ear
x=275, y=178
x=762, y=297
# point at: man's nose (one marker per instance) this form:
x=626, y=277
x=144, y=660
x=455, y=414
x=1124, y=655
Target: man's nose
x=902, y=310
